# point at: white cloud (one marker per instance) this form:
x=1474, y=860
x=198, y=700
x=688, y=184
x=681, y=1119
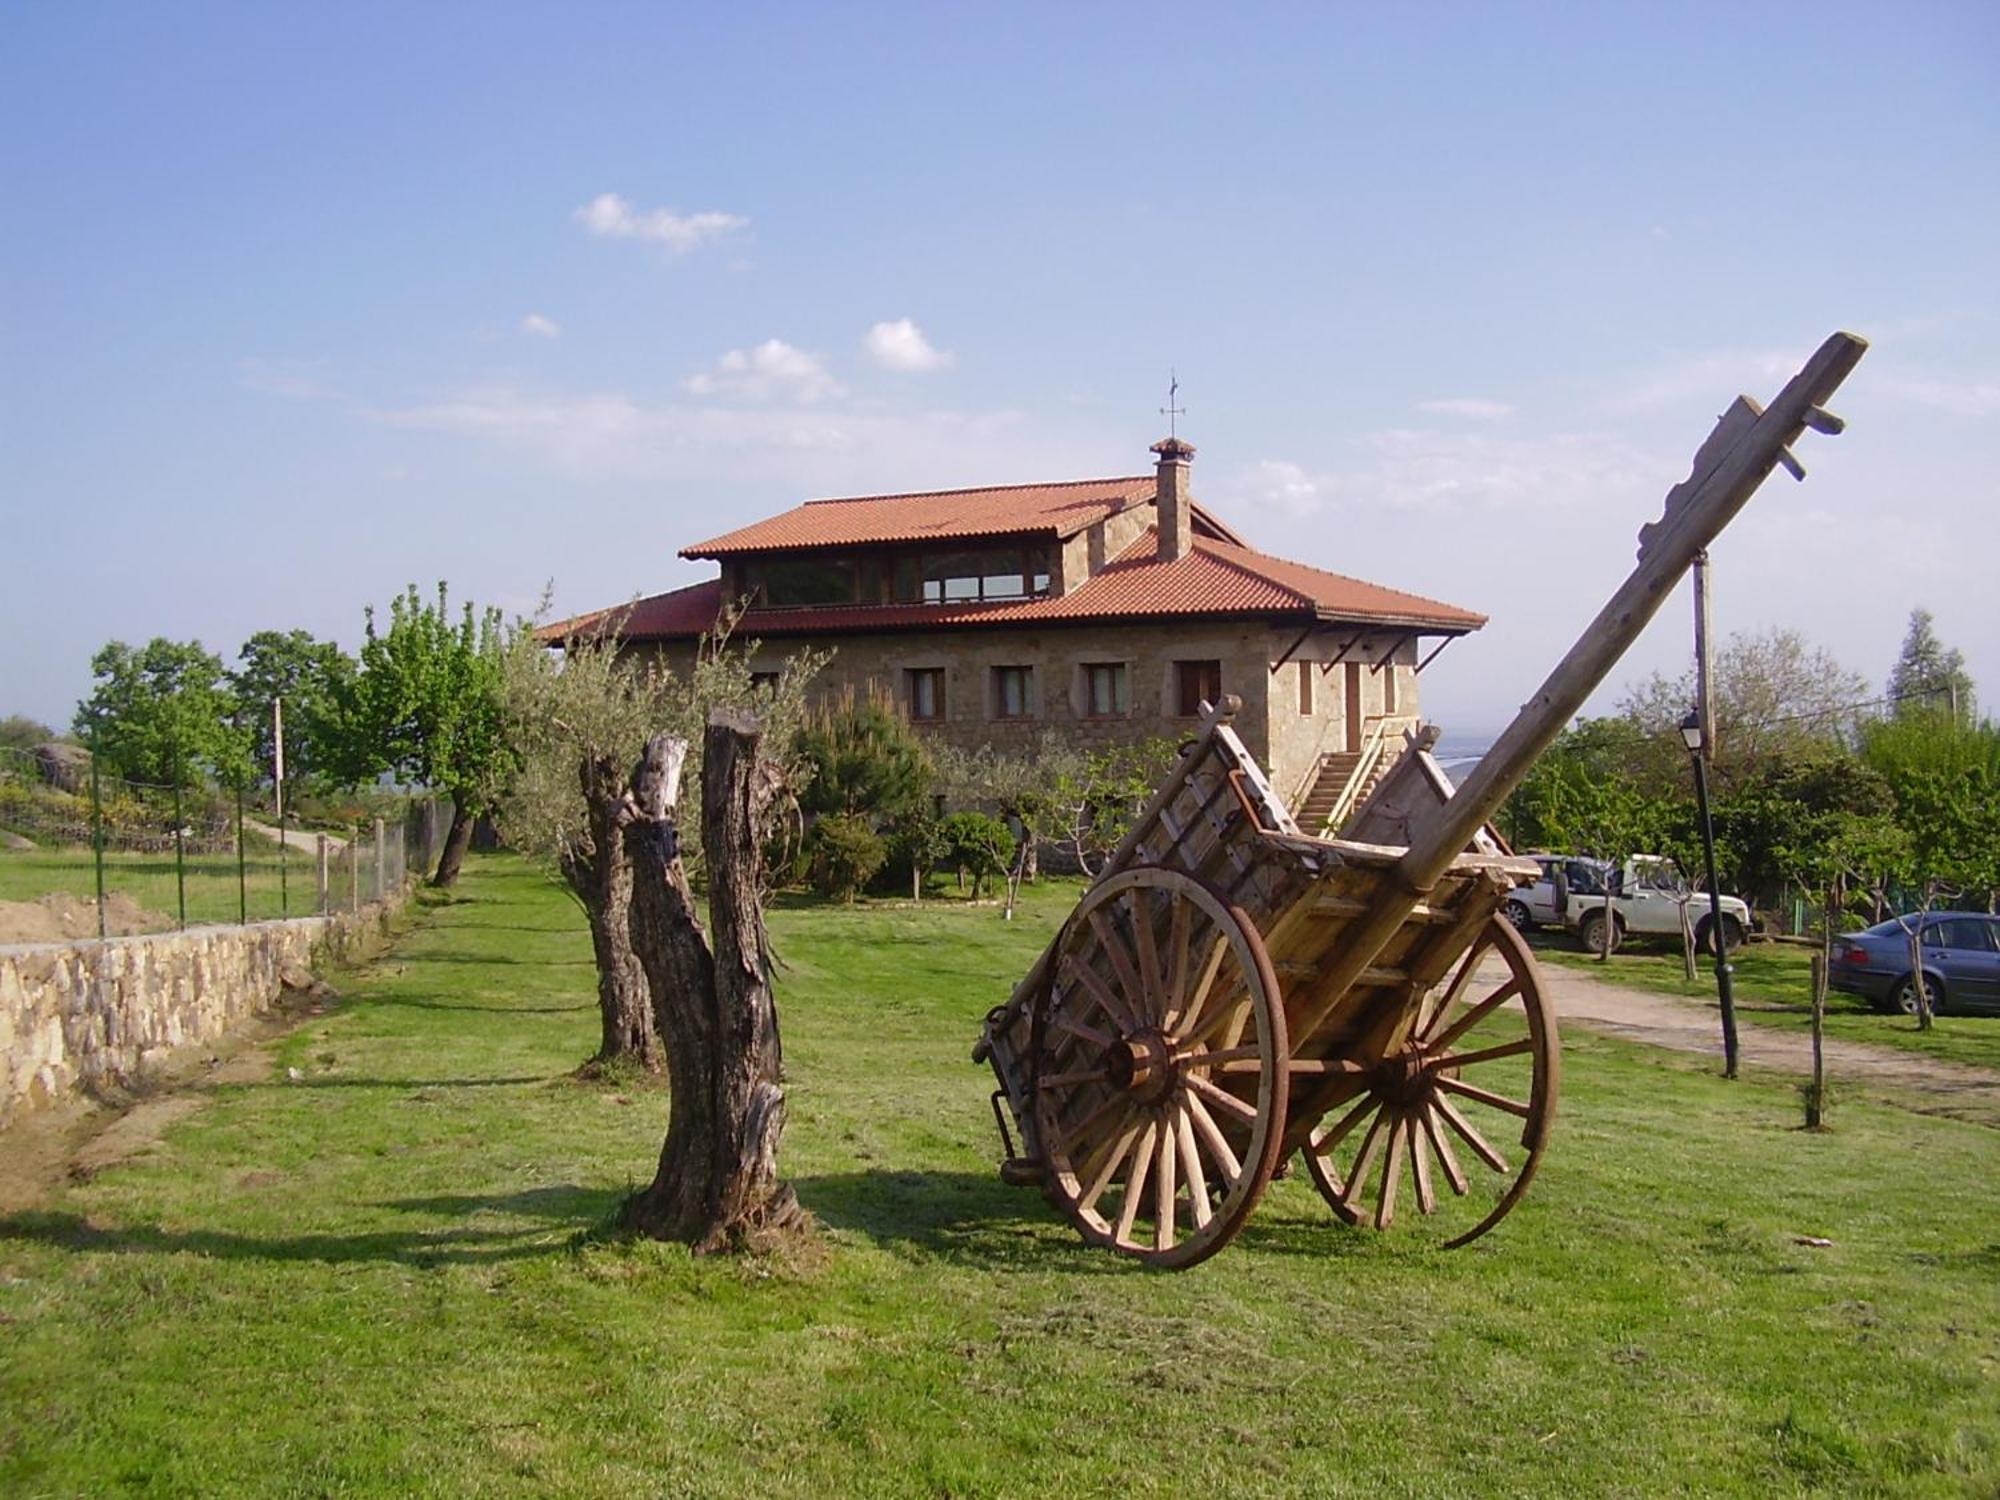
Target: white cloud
x=1475, y=407
x=612, y=217
x=1455, y=473
x=901, y=345
x=541, y=327
x=774, y=370
x=1958, y=398
x=610, y=435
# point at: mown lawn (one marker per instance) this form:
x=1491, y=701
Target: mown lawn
x=211, y=880
x=381, y=1278
x=1772, y=983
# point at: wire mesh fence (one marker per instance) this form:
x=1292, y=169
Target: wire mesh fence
x=84, y=853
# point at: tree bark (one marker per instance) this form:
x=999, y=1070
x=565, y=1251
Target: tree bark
x=456, y=842
x=601, y=876
x=717, y=1186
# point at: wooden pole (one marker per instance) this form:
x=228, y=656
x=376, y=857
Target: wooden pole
x=323, y=893
x=381, y=860
x=1737, y=457
x=1704, y=702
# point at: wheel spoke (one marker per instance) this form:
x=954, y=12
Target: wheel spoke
x=1220, y=1059
x=1076, y=1028
x=1466, y=1059
x=1079, y=1133
x=1420, y=1167
x=1152, y=992
x=1392, y=1174
x=1458, y=983
x=1070, y=1080
x=1362, y=1162
x=1447, y=1158
x=1210, y=1135
x=1164, y=1188
x=1135, y=1185
x=1324, y=1139
x=1485, y=1096
x=1470, y=1136
x=1227, y=1102
x=1109, y=1003
x=1114, y=948
x=1115, y=1150
x=1211, y=964
x=1177, y=956
x=1197, y=1180
x=1477, y=1014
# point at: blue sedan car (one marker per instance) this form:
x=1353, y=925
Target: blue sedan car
x=1961, y=963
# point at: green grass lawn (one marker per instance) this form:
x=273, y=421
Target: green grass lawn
x=381, y=1278
x=1773, y=987
x=149, y=879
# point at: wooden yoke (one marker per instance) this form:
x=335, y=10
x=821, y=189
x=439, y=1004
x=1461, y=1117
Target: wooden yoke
x=1747, y=443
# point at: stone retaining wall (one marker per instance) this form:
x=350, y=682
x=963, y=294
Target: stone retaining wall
x=96, y=1018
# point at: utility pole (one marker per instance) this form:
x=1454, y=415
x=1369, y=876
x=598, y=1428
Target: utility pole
x=1704, y=700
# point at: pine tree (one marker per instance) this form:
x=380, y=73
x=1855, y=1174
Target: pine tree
x=1930, y=676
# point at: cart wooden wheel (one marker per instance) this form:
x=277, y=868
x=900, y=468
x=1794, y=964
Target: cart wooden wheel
x=1159, y=1068
x=1434, y=1108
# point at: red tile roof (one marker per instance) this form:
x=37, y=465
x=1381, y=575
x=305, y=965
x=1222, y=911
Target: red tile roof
x=1053, y=511
x=1214, y=579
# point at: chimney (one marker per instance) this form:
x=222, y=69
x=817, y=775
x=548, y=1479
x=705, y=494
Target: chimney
x=1175, y=507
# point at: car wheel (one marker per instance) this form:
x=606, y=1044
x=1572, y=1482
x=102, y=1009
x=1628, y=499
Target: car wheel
x=1590, y=932
x=1732, y=935
x=1517, y=913
x=1905, y=995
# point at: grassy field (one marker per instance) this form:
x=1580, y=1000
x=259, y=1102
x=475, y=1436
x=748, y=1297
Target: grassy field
x=149, y=879
x=1773, y=987
x=383, y=1277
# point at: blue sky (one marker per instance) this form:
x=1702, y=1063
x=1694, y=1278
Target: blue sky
x=298, y=305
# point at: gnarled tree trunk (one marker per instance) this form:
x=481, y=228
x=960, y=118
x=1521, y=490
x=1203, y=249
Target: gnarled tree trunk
x=717, y=1183
x=601, y=876
x=456, y=842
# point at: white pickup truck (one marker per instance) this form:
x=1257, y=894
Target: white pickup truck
x=1646, y=897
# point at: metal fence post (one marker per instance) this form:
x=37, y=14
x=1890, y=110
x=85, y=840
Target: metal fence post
x=381, y=852
x=180, y=851
x=322, y=874
x=242, y=875
x=97, y=839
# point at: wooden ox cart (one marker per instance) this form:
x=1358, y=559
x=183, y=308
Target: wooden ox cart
x=1230, y=991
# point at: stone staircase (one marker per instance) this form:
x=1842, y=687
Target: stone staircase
x=1333, y=779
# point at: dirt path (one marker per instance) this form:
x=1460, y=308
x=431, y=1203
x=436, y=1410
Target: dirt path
x=297, y=838
x=1936, y=1086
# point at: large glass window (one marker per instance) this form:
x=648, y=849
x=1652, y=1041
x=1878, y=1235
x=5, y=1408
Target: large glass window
x=1196, y=683
x=1013, y=692
x=961, y=577
x=1107, y=689
x=790, y=581
x=924, y=689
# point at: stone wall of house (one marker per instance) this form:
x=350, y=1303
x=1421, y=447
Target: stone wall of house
x=1285, y=741
x=96, y=1018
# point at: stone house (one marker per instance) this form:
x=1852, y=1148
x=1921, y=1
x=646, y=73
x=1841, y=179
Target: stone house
x=1110, y=609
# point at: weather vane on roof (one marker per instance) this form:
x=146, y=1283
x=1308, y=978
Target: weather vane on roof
x=1171, y=411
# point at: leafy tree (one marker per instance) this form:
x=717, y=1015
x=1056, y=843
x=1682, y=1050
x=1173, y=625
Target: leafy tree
x=427, y=706
x=917, y=842
x=162, y=714
x=1841, y=830
x=1928, y=675
x=577, y=725
x=1774, y=693
x=309, y=675
x=19, y=732
x=843, y=853
x=862, y=757
x=977, y=844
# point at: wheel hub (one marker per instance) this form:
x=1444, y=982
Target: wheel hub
x=1142, y=1065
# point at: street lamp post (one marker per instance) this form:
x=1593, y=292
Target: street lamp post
x=1691, y=736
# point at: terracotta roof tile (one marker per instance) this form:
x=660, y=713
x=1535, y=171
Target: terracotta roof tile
x=1214, y=579
x=1049, y=510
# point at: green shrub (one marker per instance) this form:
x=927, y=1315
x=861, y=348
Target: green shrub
x=842, y=855
x=862, y=756
x=978, y=845
x=917, y=845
